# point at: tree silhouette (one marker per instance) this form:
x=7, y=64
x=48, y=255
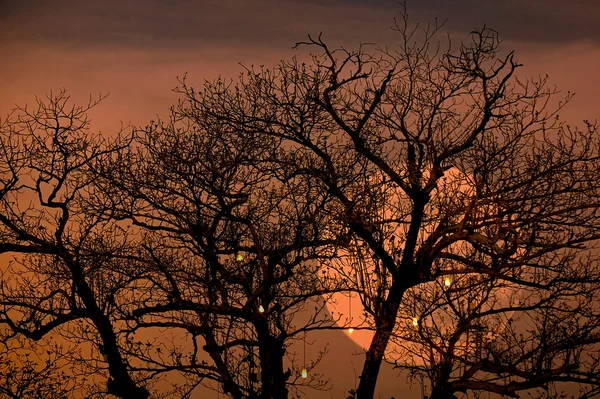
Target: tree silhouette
x=67, y=269
x=232, y=251
x=445, y=166
x=429, y=179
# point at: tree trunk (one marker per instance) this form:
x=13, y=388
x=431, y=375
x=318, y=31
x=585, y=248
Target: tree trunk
x=441, y=388
x=374, y=356
x=273, y=377
x=389, y=311
x=120, y=383
x=441, y=392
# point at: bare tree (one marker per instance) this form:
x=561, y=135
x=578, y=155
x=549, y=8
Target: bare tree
x=181, y=230
x=384, y=131
x=231, y=246
x=431, y=180
x=66, y=270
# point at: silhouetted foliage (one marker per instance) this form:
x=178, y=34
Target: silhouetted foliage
x=68, y=270
x=444, y=165
x=34, y=372
x=430, y=180
x=232, y=252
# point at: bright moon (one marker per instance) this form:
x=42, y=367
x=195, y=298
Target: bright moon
x=349, y=310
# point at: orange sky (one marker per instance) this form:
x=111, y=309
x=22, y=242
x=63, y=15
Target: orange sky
x=135, y=49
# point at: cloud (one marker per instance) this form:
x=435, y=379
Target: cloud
x=278, y=23
x=556, y=21
x=173, y=24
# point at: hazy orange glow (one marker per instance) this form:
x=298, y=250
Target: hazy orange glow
x=135, y=50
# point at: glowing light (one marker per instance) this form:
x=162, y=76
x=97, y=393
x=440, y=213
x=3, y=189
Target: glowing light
x=304, y=373
x=261, y=309
x=350, y=330
x=239, y=257
x=447, y=282
x=415, y=321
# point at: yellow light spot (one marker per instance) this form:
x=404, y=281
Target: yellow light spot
x=304, y=373
x=415, y=321
x=447, y=282
x=261, y=309
x=350, y=330
x=239, y=257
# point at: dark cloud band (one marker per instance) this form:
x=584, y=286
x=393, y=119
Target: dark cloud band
x=270, y=23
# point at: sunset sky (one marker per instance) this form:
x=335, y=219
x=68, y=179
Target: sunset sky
x=135, y=49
